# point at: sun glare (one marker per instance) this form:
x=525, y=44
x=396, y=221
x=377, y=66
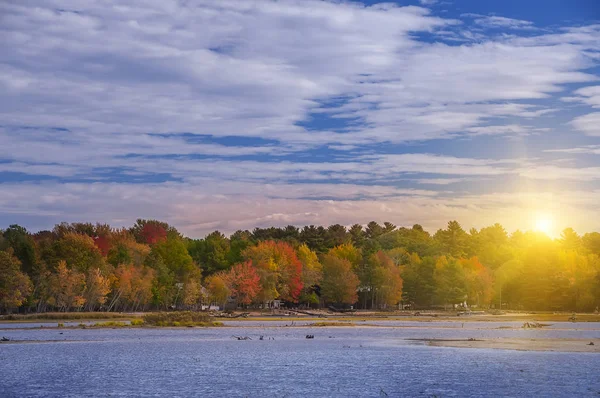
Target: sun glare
x=544, y=224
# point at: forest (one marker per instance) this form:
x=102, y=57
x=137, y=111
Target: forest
x=151, y=266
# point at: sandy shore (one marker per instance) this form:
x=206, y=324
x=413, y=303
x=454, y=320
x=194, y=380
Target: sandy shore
x=559, y=345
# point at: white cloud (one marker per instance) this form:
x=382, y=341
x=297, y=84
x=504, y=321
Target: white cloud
x=588, y=95
x=588, y=124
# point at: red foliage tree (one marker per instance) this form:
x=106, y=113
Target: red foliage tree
x=243, y=282
x=153, y=233
x=103, y=244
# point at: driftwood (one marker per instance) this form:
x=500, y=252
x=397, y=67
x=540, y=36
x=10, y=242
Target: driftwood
x=309, y=313
x=242, y=315
x=241, y=337
x=310, y=336
x=333, y=309
x=533, y=325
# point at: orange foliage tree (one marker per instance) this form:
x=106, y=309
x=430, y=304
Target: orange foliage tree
x=387, y=281
x=66, y=288
x=97, y=286
x=478, y=281
x=279, y=269
x=131, y=287
x=15, y=286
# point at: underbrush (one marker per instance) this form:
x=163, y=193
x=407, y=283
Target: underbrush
x=178, y=319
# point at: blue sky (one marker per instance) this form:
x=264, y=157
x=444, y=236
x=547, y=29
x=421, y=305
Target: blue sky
x=234, y=114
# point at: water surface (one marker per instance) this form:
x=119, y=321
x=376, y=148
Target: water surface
x=338, y=362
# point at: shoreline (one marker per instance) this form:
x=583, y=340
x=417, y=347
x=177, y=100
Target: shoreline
x=569, y=345
x=327, y=318
x=520, y=344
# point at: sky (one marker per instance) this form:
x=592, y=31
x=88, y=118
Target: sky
x=235, y=114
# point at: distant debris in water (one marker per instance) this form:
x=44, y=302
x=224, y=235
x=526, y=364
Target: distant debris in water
x=573, y=318
x=5, y=339
x=242, y=337
x=591, y=343
x=533, y=325
x=310, y=336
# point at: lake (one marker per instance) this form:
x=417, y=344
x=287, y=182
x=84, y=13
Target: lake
x=338, y=362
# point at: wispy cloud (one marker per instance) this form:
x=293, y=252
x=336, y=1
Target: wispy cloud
x=588, y=124
x=493, y=21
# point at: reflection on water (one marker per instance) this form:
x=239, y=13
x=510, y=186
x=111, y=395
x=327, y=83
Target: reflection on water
x=339, y=362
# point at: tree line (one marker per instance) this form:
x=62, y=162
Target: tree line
x=151, y=266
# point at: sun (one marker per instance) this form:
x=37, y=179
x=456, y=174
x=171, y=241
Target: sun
x=544, y=224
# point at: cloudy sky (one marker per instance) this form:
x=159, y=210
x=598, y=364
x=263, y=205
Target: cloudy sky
x=233, y=114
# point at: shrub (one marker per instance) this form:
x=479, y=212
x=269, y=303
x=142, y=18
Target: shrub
x=183, y=318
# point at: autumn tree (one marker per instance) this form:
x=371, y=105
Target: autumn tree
x=78, y=251
x=132, y=287
x=150, y=231
x=349, y=252
x=15, y=285
x=279, y=268
x=126, y=250
x=243, y=282
x=478, y=281
x=218, y=292
x=67, y=288
x=387, y=282
x=339, y=283
x=97, y=287
x=312, y=272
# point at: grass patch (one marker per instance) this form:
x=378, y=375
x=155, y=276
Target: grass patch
x=327, y=324
x=180, y=319
x=110, y=324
